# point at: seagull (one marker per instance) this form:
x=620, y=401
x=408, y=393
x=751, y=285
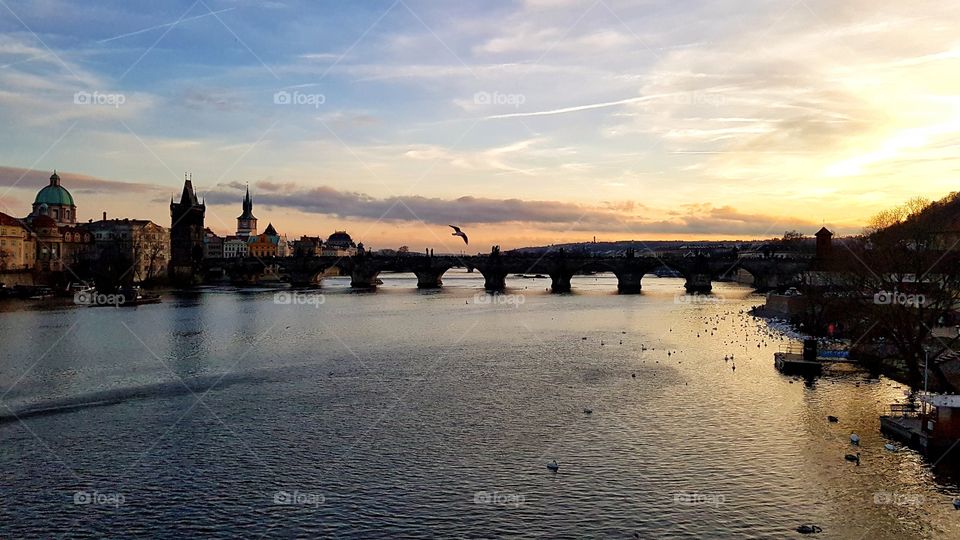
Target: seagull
x=458, y=232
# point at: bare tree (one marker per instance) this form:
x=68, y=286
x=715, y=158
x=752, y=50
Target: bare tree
x=900, y=281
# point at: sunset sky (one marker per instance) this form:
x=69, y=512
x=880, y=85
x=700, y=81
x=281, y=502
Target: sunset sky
x=525, y=122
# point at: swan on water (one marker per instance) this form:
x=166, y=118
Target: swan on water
x=553, y=465
x=809, y=529
x=853, y=458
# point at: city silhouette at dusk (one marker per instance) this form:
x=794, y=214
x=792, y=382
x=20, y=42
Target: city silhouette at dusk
x=520, y=268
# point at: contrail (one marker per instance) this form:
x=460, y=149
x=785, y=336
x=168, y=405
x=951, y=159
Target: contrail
x=181, y=21
x=577, y=107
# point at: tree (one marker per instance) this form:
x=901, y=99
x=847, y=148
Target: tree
x=792, y=236
x=792, y=240
x=900, y=281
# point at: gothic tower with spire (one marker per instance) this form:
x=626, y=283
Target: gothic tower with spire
x=186, y=235
x=247, y=222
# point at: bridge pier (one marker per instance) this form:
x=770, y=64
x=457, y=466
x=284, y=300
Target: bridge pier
x=494, y=279
x=629, y=282
x=765, y=282
x=560, y=281
x=429, y=278
x=298, y=279
x=698, y=283
x=363, y=278
x=772, y=281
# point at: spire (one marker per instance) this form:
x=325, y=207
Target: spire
x=188, y=197
x=247, y=206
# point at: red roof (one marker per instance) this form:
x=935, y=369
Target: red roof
x=10, y=221
x=43, y=222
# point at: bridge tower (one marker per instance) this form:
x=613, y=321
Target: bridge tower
x=186, y=235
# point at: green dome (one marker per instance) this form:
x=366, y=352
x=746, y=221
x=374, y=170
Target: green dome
x=51, y=195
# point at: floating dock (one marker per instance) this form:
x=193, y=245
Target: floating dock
x=932, y=427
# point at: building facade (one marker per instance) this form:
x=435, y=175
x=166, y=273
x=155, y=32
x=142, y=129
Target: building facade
x=141, y=244
x=212, y=245
x=266, y=244
x=17, y=245
x=235, y=247
x=307, y=246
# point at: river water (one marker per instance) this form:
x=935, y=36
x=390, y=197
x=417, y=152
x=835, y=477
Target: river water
x=401, y=413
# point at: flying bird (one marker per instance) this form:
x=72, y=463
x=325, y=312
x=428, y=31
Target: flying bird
x=458, y=232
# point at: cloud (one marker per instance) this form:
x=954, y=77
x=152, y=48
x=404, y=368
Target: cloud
x=626, y=218
x=29, y=179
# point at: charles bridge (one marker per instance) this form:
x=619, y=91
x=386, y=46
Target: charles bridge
x=700, y=269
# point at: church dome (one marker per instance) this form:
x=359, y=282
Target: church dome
x=54, y=193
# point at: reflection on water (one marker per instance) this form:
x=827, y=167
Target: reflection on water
x=433, y=413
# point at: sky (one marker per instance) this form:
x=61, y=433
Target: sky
x=526, y=122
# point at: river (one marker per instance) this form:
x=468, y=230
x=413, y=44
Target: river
x=403, y=413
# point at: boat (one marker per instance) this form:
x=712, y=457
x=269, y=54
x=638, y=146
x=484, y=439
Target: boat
x=34, y=292
x=134, y=296
x=77, y=287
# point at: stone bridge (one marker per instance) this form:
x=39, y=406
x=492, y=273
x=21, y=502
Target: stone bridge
x=700, y=270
